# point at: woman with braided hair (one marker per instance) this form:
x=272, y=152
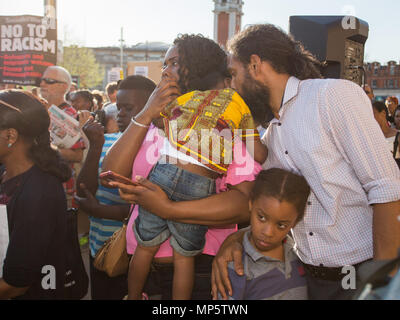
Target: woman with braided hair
x=82, y=100
x=192, y=95
x=31, y=189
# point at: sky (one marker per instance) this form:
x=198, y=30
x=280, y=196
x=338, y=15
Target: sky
x=95, y=23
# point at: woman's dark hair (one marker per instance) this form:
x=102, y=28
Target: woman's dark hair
x=273, y=45
x=32, y=124
x=86, y=95
x=98, y=97
x=202, y=63
x=283, y=186
x=379, y=106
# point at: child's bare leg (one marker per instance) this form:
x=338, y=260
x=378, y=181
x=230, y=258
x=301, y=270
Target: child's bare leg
x=139, y=269
x=183, y=277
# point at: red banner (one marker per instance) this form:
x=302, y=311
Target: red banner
x=28, y=45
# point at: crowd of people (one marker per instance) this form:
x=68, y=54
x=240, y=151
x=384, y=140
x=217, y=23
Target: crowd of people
x=213, y=209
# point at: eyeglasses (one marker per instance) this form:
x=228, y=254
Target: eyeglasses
x=51, y=81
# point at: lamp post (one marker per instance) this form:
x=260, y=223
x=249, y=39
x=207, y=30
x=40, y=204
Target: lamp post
x=122, y=50
x=50, y=12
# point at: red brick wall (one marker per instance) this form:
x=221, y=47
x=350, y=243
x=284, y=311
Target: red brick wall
x=238, y=23
x=383, y=74
x=223, y=28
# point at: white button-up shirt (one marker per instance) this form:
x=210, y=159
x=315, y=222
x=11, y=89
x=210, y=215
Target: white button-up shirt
x=327, y=133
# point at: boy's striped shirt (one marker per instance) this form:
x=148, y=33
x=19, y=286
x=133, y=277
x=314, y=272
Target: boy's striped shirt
x=102, y=229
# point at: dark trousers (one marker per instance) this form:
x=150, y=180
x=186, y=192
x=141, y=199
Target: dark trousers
x=105, y=288
x=322, y=289
x=319, y=289
x=159, y=281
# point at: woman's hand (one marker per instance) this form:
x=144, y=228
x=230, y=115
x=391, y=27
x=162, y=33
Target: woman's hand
x=148, y=195
x=94, y=131
x=166, y=92
x=88, y=203
x=84, y=116
x=230, y=250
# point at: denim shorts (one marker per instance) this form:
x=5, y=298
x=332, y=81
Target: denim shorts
x=179, y=185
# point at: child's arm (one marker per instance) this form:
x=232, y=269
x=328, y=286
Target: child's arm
x=257, y=149
x=260, y=151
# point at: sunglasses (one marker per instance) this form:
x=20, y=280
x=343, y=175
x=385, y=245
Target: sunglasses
x=50, y=81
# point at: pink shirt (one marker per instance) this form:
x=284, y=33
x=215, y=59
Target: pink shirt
x=244, y=168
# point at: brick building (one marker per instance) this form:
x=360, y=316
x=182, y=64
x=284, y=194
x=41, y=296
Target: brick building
x=227, y=19
x=384, y=79
x=109, y=57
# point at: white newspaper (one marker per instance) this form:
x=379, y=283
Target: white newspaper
x=64, y=129
x=4, y=236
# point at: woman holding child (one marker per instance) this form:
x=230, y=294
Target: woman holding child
x=192, y=63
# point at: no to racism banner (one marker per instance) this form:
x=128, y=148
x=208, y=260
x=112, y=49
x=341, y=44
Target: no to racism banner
x=28, y=45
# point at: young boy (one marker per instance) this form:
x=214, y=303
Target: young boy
x=272, y=269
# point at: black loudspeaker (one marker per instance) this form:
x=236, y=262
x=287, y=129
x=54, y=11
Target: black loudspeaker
x=337, y=40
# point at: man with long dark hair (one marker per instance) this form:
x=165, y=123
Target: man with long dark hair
x=324, y=130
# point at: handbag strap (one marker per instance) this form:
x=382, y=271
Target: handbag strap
x=126, y=220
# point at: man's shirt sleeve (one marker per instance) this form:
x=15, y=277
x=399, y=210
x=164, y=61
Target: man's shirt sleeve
x=360, y=140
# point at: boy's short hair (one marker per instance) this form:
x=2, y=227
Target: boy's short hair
x=137, y=83
x=111, y=87
x=284, y=186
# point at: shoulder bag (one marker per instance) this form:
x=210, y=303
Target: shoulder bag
x=112, y=257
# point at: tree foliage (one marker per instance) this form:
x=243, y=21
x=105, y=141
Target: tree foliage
x=81, y=61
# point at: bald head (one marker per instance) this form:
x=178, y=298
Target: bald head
x=61, y=74
x=55, y=83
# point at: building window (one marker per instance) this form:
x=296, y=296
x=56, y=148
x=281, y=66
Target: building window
x=374, y=84
x=376, y=70
x=390, y=83
x=392, y=69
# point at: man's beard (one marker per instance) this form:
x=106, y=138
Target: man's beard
x=257, y=97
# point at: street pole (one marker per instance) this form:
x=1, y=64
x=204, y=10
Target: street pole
x=50, y=20
x=122, y=49
x=50, y=9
